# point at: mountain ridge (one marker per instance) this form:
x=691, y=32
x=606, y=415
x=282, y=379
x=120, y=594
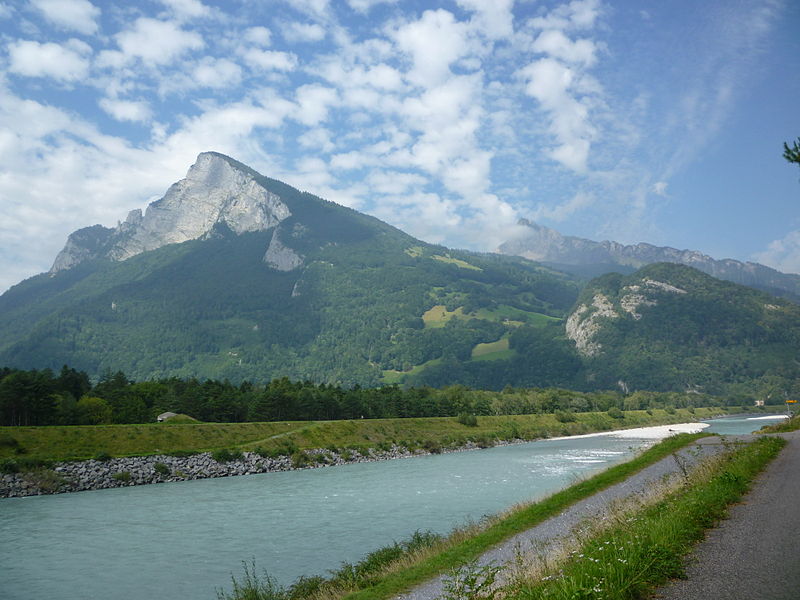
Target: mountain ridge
x=550, y=247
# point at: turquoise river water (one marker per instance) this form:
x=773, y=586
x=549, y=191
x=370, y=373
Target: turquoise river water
x=184, y=540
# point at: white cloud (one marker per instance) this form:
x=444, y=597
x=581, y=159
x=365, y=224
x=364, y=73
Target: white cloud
x=216, y=73
x=157, y=42
x=126, y=110
x=270, y=60
x=313, y=102
x=302, y=32
x=562, y=212
x=260, y=36
x=493, y=17
x=551, y=83
x=317, y=140
x=33, y=59
x=782, y=254
x=363, y=6
x=187, y=9
x=5, y=11
x=660, y=188
x=578, y=14
x=433, y=42
x=73, y=15
x=558, y=45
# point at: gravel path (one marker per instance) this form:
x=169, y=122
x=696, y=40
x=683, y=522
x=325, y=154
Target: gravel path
x=755, y=552
x=547, y=535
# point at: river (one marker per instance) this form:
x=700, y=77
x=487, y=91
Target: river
x=182, y=540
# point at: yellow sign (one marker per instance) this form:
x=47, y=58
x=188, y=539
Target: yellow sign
x=791, y=402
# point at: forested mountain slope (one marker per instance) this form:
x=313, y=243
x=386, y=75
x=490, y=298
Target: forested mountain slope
x=671, y=327
x=268, y=281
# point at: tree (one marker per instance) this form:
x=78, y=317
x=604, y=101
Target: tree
x=792, y=154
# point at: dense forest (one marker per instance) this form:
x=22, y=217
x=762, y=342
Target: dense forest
x=42, y=397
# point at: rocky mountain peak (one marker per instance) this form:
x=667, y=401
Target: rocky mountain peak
x=216, y=191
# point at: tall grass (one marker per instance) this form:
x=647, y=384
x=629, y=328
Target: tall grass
x=643, y=548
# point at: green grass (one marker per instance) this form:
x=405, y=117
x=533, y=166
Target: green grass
x=462, y=551
x=391, y=376
x=514, y=316
x=438, y=315
x=645, y=548
x=792, y=424
x=490, y=348
x=82, y=442
x=462, y=264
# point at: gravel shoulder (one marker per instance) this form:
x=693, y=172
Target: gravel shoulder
x=548, y=535
x=755, y=552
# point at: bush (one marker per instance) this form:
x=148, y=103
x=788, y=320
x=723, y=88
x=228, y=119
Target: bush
x=300, y=459
x=670, y=410
x=161, y=469
x=565, y=417
x=102, y=456
x=468, y=419
x=615, y=413
x=224, y=455
x=123, y=476
x=8, y=466
x=432, y=446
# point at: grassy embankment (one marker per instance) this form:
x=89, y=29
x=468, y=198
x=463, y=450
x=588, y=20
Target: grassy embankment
x=792, y=424
x=379, y=578
x=83, y=442
x=645, y=548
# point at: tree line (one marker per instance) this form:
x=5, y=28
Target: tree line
x=42, y=397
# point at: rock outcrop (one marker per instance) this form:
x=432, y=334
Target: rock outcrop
x=216, y=191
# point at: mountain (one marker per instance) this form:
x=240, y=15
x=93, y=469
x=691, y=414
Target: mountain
x=672, y=327
x=587, y=258
x=235, y=275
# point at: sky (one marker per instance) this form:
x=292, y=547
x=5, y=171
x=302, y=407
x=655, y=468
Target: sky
x=629, y=120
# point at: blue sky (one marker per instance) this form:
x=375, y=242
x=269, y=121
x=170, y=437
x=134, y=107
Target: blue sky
x=632, y=120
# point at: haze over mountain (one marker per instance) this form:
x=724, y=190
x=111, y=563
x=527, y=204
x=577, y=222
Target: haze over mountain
x=587, y=257
x=235, y=275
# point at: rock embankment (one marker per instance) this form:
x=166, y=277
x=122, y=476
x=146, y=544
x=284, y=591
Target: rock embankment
x=77, y=476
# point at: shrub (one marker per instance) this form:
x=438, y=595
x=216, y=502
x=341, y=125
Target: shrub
x=123, y=476
x=300, y=459
x=615, y=413
x=432, y=446
x=670, y=410
x=565, y=416
x=7, y=441
x=8, y=466
x=161, y=469
x=102, y=456
x=468, y=419
x=225, y=455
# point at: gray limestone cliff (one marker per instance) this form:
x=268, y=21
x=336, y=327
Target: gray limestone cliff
x=542, y=244
x=215, y=191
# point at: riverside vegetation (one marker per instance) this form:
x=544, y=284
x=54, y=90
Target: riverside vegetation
x=36, y=460
x=637, y=548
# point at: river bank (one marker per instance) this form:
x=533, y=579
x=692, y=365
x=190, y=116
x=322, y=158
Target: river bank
x=77, y=476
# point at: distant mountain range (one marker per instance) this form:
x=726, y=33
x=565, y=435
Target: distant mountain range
x=588, y=258
x=233, y=275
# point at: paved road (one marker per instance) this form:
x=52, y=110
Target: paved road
x=755, y=553
x=547, y=535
